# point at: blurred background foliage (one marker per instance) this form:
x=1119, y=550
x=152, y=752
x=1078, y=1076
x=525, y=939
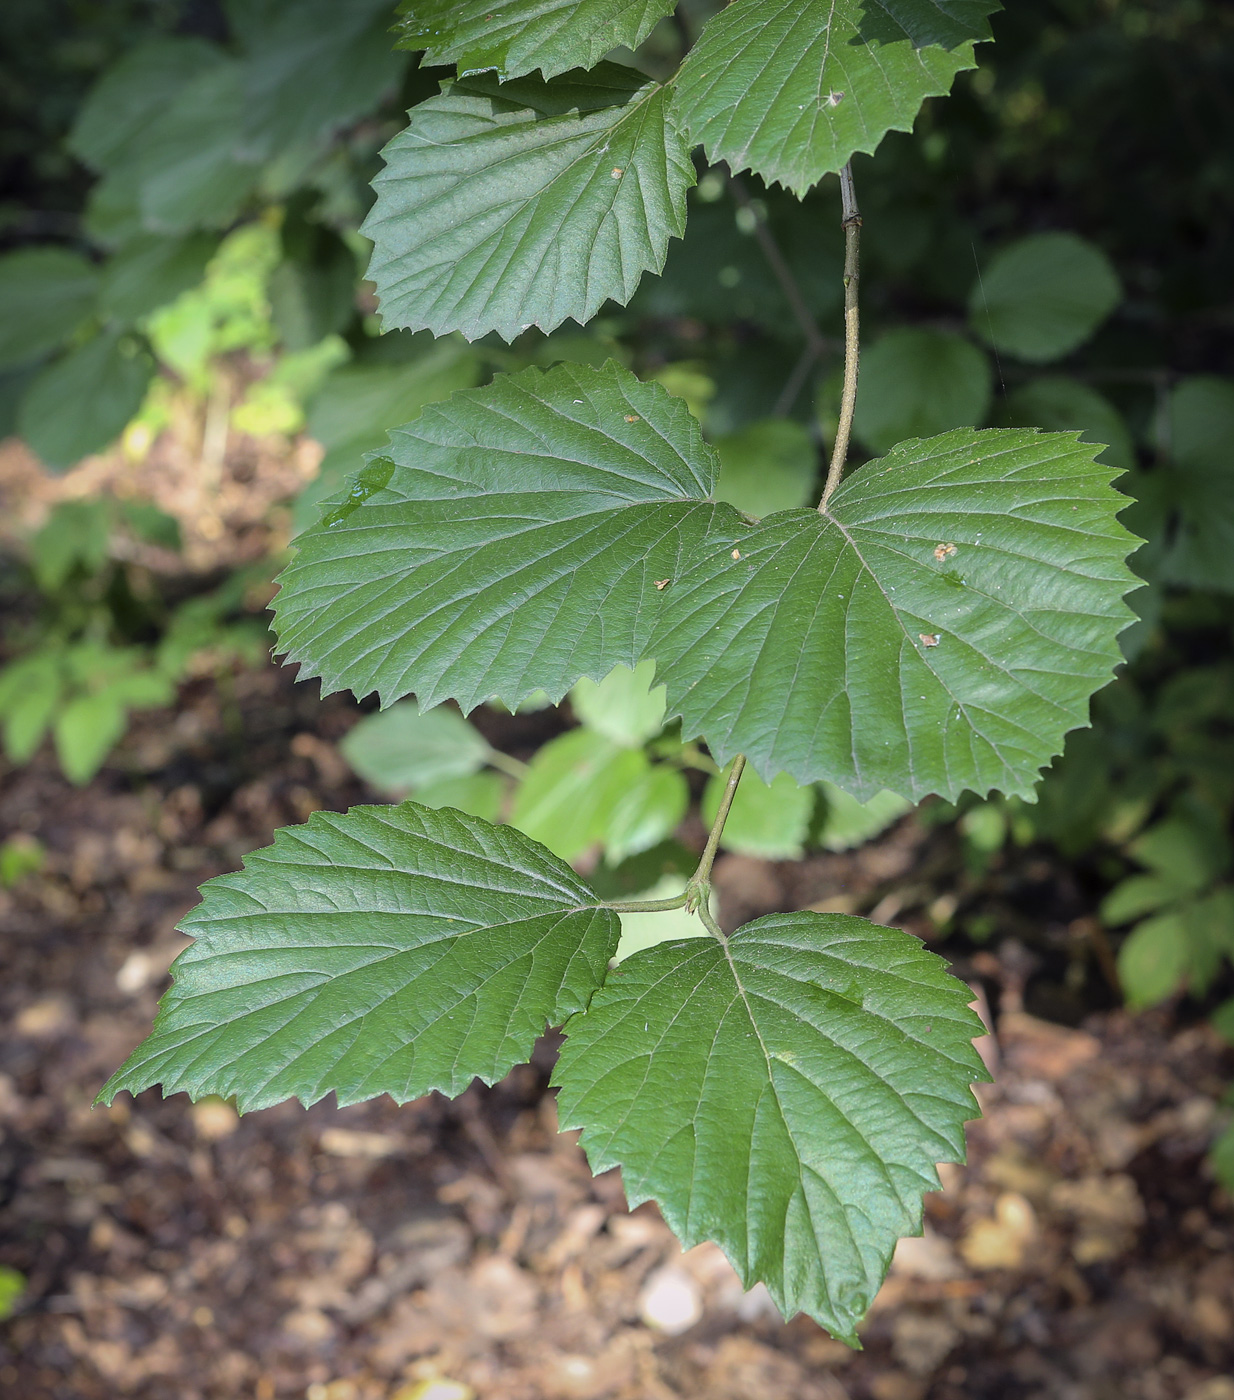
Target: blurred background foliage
x=181, y=184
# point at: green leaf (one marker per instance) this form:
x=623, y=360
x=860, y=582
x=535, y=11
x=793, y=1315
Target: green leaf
x=769, y=820
x=572, y=786
x=45, y=294
x=1138, y=895
x=1189, y=848
x=1199, y=483
x=945, y=22
x=152, y=271
x=504, y=206
x=1222, y=1021
x=1058, y=404
x=1044, y=296
x=390, y=950
x=12, y=1286
x=790, y=90
x=480, y=795
x=647, y=811
x=917, y=383
x=625, y=706
x=940, y=628
x=125, y=106
x=518, y=36
x=400, y=748
x=511, y=540
x=30, y=691
x=850, y=823
x=786, y=1094
x=76, y=535
x=312, y=67
x=81, y=403
x=193, y=169
x=1154, y=959
x=85, y=732
x=767, y=466
x=358, y=405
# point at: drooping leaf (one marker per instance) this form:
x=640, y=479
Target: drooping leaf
x=479, y=795
x=791, y=90
x=625, y=706
x=943, y=22
x=767, y=466
x=504, y=206
x=389, y=950
x=519, y=36
x=571, y=789
x=1154, y=959
x=786, y=1094
x=85, y=732
x=81, y=403
x=918, y=382
x=510, y=540
x=768, y=820
x=940, y=628
x=401, y=748
x=1044, y=296
x=30, y=692
x=45, y=294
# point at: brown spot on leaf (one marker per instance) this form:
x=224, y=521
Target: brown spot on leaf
x=736, y=554
x=928, y=639
x=662, y=583
x=944, y=551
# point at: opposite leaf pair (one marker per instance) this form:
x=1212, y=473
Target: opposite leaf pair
x=785, y=1093
x=512, y=200
x=940, y=627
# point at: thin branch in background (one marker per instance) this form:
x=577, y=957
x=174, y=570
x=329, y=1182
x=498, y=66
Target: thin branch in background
x=989, y=320
x=850, y=220
x=776, y=260
x=795, y=382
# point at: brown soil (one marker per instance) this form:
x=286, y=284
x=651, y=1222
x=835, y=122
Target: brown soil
x=175, y=1252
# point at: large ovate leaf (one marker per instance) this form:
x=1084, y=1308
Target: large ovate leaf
x=941, y=627
x=388, y=950
x=1058, y=404
x=786, y=1094
x=403, y=748
x=510, y=540
x=791, y=89
x=519, y=36
x=508, y=205
x=1199, y=483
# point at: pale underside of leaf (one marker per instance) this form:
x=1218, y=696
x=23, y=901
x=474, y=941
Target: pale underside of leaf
x=519, y=36
x=786, y=1095
x=504, y=206
x=511, y=540
x=388, y=950
x=790, y=90
x=941, y=628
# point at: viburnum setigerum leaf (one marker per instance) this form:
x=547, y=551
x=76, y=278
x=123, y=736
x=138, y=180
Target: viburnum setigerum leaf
x=388, y=950
x=786, y=1094
x=510, y=539
x=519, y=36
x=941, y=627
x=791, y=89
x=509, y=205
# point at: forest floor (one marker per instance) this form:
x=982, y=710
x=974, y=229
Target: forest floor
x=437, y=1250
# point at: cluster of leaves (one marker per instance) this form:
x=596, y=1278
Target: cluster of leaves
x=937, y=625
x=102, y=643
